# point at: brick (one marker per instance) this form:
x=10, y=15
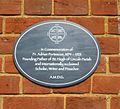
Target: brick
x=10, y=7
x=114, y=26
x=0, y=103
x=9, y=84
x=0, y=64
x=114, y=64
x=106, y=84
x=86, y=102
x=1, y=20
x=80, y=88
x=29, y=87
x=118, y=3
x=38, y=7
x=33, y=102
x=115, y=103
x=102, y=66
x=109, y=45
x=93, y=24
x=17, y=25
x=104, y=7
x=70, y=7
x=9, y=65
x=7, y=44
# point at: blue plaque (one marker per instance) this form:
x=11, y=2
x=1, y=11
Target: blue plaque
x=56, y=53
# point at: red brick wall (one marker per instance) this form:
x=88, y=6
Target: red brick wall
x=100, y=91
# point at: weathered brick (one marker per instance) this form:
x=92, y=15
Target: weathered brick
x=29, y=87
x=1, y=20
x=104, y=7
x=9, y=65
x=70, y=7
x=106, y=84
x=109, y=45
x=9, y=84
x=80, y=88
x=114, y=64
x=114, y=26
x=86, y=102
x=33, y=102
x=115, y=103
x=102, y=66
x=0, y=64
x=93, y=24
x=10, y=7
x=38, y=7
x=7, y=44
x=17, y=25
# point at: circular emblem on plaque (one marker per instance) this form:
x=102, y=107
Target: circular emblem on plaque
x=57, y=34
x=56, y=53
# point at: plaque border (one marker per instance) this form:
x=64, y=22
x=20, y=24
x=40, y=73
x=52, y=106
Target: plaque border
x=56, y=85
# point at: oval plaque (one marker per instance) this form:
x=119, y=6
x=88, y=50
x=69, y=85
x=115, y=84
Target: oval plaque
x=56, y=53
